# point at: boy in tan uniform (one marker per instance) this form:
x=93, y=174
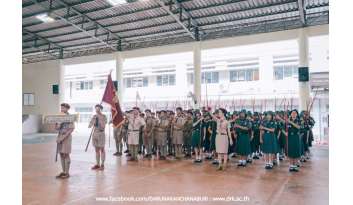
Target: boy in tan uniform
x=135, y=123
x=147, y=136
x=99, y=120
x=161, y=134
x=177, y=132
x=120, y=136
x=63, y=141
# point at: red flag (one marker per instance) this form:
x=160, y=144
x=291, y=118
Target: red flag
x=111, y=98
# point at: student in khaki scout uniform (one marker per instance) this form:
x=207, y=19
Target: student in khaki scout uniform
x=120, y=137
x=141, y=149
x=127, y=151
x=135, y=123
x=187, y=133
x=99, y=120
x=223, y=137
x=171, y=151
x=161, y=135
x=64, y=143
x=148, y=133
x=177, y=131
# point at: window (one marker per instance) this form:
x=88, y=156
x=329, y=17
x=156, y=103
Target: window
x=83, y=109
x=209, y=77
x=85, y=117
x=166, y=80
x=28, y=99
x=84, y=85
x=103, y=84
x=281, y=72
x=136, y=82
x=251, y=74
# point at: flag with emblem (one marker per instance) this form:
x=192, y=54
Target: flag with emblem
x=110, y=97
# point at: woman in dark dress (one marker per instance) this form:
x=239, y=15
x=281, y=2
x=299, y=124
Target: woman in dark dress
x=294, y=143
x=196, y=140
x=255, y=138
x=269, y=139
x=242, y=127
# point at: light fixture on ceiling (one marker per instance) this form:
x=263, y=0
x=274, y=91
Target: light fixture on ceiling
x=45, y=18
x=116, y=2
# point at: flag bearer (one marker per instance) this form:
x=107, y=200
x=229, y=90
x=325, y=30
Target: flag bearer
x=99, y=120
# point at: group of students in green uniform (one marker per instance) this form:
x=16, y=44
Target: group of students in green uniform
x=217, y=135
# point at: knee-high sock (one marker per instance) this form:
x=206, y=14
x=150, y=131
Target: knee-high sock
x=62, y=160
x=97, y=157
x=117, y=146
x=67, y=164
x=103, y=157
x=120, y=147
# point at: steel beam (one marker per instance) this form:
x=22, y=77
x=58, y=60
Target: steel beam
x=192, y=27
x=51, y=45
x=302, y=11
x=81, y=27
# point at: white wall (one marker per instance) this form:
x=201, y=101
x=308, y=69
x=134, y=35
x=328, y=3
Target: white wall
x=38, y=78
x=32, y=124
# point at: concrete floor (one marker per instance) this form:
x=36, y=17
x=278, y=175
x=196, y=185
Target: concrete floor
x=165, y=178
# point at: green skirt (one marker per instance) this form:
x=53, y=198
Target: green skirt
x=269, y=145
x=243, y=144
x=196, y=138
x=294, y=145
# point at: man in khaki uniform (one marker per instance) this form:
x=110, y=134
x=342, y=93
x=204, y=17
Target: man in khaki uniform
x=161, y=134
x=148, y=133
x=63, y=141
x=119, y=135
x=99, y=120
x=135, y=123
x=177, y=132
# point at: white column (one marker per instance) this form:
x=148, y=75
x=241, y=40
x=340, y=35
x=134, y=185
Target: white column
x=61, y=83
x=119, y=76
x=304, y=87
x=197, y=73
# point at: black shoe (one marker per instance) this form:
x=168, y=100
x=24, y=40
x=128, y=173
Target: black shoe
x=128, y=154
x=240, y=164
x=126, y=151
x=274, y=163
x=116, y=153
x=215, y=162
x=249, y=161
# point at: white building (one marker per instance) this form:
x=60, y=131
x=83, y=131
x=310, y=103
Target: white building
x=257, y=77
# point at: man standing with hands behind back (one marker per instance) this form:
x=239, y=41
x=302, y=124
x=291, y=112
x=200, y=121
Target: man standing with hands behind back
x=64, y=142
